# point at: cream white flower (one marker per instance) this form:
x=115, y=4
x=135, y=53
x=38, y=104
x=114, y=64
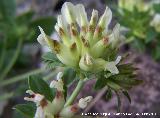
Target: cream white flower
x=39, y=113
x=106, y=18
x=58, y=84
x=37, y=98
x=111, y=66
x=83, y=42
x=156, y=22
x=82, y=19
x=83, y=102
x=69, y=13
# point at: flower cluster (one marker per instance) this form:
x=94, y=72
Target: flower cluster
x=56, y=108
x=84, y=42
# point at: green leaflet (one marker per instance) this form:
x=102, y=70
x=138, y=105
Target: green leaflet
x=28, y=110
x=127, y=95
x=38, y=85
x=51, y=60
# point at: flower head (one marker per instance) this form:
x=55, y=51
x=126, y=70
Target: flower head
x=83, y=42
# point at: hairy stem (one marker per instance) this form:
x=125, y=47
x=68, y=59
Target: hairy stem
x=75, y=92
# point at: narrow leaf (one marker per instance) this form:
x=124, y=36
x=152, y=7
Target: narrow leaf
x=118, y=102
x=127, y=95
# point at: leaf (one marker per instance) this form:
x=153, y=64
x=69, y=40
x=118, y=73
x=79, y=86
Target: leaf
x=28, y=110
x=155, y=53
x=101, y=82
x=51, y=60
x=108, y=94
x=127, y=95
x=151, y=35
x=113, y=85
x=126, y=68
x=118, y=102
x=156, y=8
x=69, y=76
x=8, y=10
x=38, y=85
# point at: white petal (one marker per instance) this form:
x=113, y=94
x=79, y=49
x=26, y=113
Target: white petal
x=57, y=84
x=59, y=76
x=105, y=18
x=41, y=40
x=83, y=102
x=94, y=17
x=111, y=66
x=116, y=31
x=61, y=22
x=56, y=27
x=39, y=113
x=42, y=32
x=114, y=37
x=88, y=59
x=38, y=98
x=118, y=60
x=81, y=15
x=29, y=99
x=30, y=92
x=68, y=11
x=88, y=99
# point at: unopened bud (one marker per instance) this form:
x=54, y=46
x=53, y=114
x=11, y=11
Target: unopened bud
x=114, y=37
x=86, y=63
x=82, y=17
x=105, y=19
x=94, y=18
x=68, y=11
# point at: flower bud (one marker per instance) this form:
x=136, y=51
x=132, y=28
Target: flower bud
x=111, y=66
x=59, y=83
x=53, y=44
x=86, y=62
x=100, y=47
x=105, y=19
x=68, y=11
x=94, y=18
x=68, y=56
x=41, y=40
x=114, y=37
x=58, y=102
x=99, y=65
x=82, y=16
x=61, y=22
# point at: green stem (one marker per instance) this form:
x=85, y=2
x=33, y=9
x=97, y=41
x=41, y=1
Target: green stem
x=13, y=60
x=21, y=77
x=75, y=92
x=3, y=54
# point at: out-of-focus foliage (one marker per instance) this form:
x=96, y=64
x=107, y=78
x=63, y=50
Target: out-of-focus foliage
x=17, y=31
x=136, y=17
